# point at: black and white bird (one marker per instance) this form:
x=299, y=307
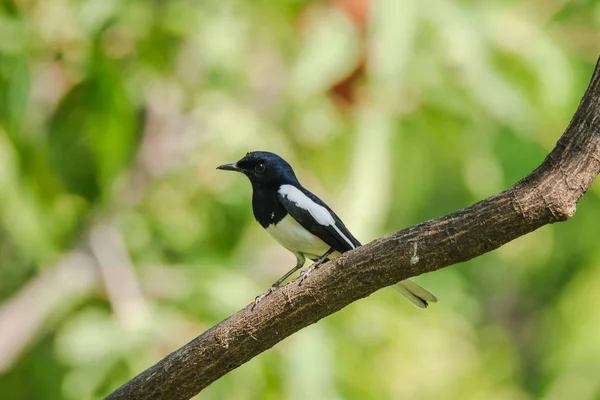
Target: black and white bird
x=300, y=221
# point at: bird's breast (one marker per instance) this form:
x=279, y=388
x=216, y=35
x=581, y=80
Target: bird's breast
x=266, y=207
x=291, y=235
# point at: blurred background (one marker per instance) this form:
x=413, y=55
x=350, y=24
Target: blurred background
x=120, y=242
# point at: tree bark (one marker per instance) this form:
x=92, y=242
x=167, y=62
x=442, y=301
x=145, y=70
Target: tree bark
x=549, y=194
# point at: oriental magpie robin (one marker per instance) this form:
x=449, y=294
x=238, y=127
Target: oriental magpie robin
x=300, y=221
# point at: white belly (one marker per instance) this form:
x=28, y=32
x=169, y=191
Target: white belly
x=291, y=235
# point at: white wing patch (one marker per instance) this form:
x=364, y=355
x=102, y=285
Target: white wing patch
x=317, y=211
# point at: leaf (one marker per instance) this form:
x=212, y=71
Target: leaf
x=94, y=132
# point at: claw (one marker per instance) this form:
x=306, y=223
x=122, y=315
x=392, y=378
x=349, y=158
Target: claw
x=265, y=294
x=305, y=272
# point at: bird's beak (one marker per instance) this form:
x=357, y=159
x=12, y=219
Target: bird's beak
x=229, y=167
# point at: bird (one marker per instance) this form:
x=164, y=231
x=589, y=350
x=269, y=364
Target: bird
x=300, y=221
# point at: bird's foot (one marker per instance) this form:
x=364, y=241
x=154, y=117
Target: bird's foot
x=305, y=272
x=265, y=294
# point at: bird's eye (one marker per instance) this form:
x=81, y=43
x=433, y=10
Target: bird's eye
x=259, y=167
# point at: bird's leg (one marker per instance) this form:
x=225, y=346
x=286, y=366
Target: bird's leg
x=314, y=265
x=299, y=263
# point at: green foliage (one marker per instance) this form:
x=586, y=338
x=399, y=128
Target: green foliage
x=114, y=115
x=93, y=134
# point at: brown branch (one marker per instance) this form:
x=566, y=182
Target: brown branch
x=549, y=194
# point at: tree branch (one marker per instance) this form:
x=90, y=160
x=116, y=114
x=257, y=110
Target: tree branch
x=549, y=194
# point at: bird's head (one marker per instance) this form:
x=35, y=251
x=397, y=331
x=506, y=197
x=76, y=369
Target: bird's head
x=263, y=167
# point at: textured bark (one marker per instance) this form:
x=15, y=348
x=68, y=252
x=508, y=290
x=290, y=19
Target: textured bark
x=549, y=194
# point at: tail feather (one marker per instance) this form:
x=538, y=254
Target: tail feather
x=417, y=294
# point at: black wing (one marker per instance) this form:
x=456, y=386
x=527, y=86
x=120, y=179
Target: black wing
x=336, y=235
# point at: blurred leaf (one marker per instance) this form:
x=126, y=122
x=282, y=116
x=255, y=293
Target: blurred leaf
x=94, y=132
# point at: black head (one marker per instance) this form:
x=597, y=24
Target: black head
x=263, y=167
